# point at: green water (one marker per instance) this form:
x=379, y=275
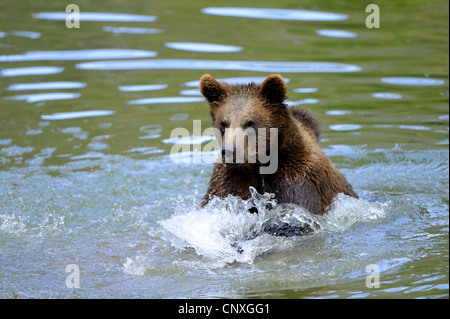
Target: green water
x=94, y=189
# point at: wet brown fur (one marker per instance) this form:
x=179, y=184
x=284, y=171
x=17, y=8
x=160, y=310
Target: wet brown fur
x=305, y=176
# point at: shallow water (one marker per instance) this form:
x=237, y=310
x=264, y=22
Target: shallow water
x=87, y=177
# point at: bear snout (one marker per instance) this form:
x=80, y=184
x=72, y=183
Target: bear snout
x=228, y=154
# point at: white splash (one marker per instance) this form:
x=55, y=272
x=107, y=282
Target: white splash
x=224, y=231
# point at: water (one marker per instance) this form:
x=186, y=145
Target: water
x=277, y=14
x=87, y=177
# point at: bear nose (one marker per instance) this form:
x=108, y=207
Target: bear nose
x=228, y=154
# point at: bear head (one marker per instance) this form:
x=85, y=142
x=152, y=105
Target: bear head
x=248, y=118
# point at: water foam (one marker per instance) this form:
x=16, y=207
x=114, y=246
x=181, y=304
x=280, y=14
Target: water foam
x=224, y=231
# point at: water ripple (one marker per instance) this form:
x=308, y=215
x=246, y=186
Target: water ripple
x=167, y=100
x=257, y=66
x=66, y=55
x=202, y=47
x=337, y=34
x=45, y=86
x=412, y=81
x=76, y=115
x=274, y=14
x=32, y=70
x=96, y=16
x=142, y=87
x=117, y=30
x=40, y=97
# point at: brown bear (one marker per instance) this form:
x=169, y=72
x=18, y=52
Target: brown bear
x=304, y=175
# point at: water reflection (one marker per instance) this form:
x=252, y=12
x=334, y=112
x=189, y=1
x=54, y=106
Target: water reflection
x=34, y=132
x=13, y=151
x=152, y=131
x=195, y=92
x=96, y=16
x=45, y=86
x=203, y=47
x=257, y=66
x=337, y=34
x=412, y=81
x=47, y=209
x=189, y=140
x=118, y=30
x=274, y=14
x=143, y=87
x=88, y=155
x=145, y=150
x=31, y=70
x=305, y=90
x=345, y=127
x=302, y=102
x=24, y=34
x=337, y=112
x=76, y=115
x=65, y=55
x=41, y=97
x=179, y=117
x=166, y=100
x=387, y=96
x=76, y=132
x=404, y=127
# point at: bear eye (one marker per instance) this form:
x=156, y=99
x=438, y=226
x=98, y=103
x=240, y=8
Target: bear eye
x=250, y=124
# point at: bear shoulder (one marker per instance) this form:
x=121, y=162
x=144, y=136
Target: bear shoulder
x=307, y=119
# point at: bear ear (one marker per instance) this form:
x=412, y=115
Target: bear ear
x=211, y=89
x=273, y=89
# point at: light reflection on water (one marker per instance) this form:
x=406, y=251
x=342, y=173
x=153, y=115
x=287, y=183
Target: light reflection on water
x=276, y=14
x=95, y=16
x=167, y=100
x=386, y=95
x=78, y=55
x=118, y=30
x=345, y=127
x=203, y=47
x=302, y=102
x=21, y=33
x=412, y=81
x=45, y=86
x=76, y=115
x=87, y=176
x=142, y=87
x=337, y=34
x=258, y=66
x=32, y=70
x=40, y=97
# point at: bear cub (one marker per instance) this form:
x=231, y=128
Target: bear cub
x=303, y=174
